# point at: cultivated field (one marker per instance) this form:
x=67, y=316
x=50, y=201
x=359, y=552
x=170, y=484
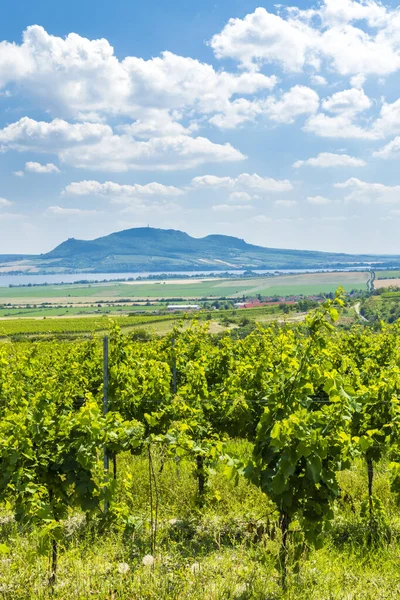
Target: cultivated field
x=385, y=283
x=288, y=285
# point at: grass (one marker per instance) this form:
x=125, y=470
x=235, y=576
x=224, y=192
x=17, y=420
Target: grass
x=288, y=285
x=227, y=550
x=389, y=274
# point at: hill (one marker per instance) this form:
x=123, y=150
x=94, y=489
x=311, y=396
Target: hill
x=149, y=249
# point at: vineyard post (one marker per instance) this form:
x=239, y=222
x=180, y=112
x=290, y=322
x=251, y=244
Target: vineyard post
x=173, y=367
x=174, y=386
x=105, y=405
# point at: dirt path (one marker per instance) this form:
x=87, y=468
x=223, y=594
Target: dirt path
x=357, y=309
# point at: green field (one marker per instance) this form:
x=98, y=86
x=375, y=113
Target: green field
x=288, y=285
x=395, y=274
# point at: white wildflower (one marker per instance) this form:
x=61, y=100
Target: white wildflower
x=123, y=568
x=148, y=560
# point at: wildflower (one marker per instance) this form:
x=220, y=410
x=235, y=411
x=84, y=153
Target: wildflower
x=195, y=568
x=123, y=568
x=148, y=560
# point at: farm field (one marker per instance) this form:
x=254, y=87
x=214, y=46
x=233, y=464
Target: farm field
x=305, y=284
x=71, y=310
x=385, y=283
x=157, y=325
x=388, y=274
x=222, y=480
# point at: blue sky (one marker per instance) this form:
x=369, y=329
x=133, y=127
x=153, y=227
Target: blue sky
x=276, y=124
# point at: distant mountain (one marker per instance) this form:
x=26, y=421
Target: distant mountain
x=148, y=249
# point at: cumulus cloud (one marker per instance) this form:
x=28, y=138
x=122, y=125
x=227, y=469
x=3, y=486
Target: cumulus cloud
x=349, y=102
x=81, y=77
x=54, y=136
x=95, y=146
x=328, y=159
x=299, y=100
x=245, y=181
x=110, y=188
x=263, y=37
x=318, y=80
x=391, y=150
x=4, y=202
x=367, y=193
x=35, y=167
x=351, y=37
x=340, y=126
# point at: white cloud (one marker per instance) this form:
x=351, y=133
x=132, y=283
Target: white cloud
x=4, y=202
x=94, y=146
x=262, y=37
x=55, y=136
x=299, y=100
x=83, y=78
x=347, y=102
x=18, y=173
x=35, y=167
x=262, y=184
x=318, y=80
x=340, y=126
x=110, y=188
x=388, y=122
x=244, y=182
x=212, y=181
x=358, y=81
x=60, y=211
x=391, y=150
x=328, y=159
x=366, y=193
x=351, y=37
x=318, y=200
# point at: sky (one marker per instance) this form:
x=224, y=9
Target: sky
x=278, y=124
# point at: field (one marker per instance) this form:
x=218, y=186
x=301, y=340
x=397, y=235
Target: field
x=389, y=274
x=250, y=467
x=385, y=283
x=306, y=284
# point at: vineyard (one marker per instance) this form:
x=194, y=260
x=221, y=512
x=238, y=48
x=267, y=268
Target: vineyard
x=72, y=326
x=199, y=466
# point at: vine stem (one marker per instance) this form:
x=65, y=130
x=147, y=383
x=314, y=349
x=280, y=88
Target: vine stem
x=284, y=523
x=154, y=503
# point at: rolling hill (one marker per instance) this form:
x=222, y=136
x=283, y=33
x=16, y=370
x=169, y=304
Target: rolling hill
x=149, y=249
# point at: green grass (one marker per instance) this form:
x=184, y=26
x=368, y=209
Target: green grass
x=306, y=284
x=227, y=550
x=395, y=274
